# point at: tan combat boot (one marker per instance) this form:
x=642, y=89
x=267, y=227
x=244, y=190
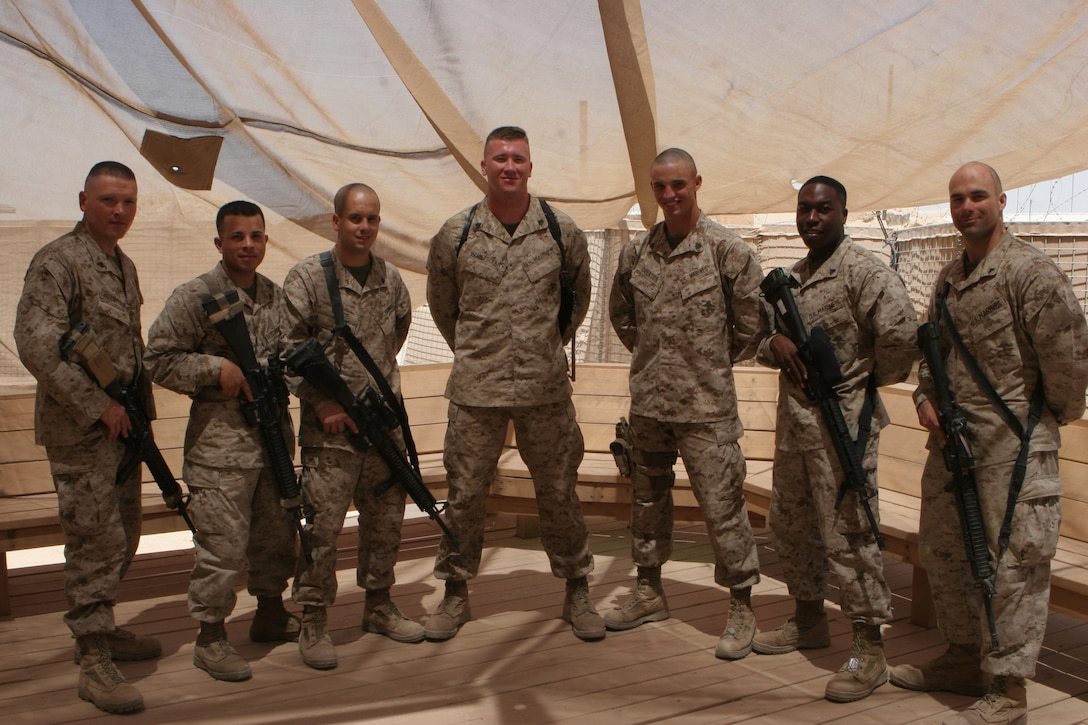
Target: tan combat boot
x=314, y=643
x=452, y=612
x=99, y=681
x=806, y=629
x=579, y=611
x=646, y=604
x=957, y=670
x=273, y=623
x=866, y=669
x=126, y=646
x=215, y=655
x=381, y=615
x=1005, y=704
x=740, y=628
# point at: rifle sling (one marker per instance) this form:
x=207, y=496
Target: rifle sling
x=865, y=421
x=341, y=329
x=1035, y=411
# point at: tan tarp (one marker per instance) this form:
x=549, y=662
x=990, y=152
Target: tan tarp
x=301, y=97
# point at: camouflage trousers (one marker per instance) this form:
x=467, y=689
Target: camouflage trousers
x=814, y=539
x=716, y=469
x=1022, y=579
x=333, y=479
x=238, y=517
x=101, y=521
x=550, y=442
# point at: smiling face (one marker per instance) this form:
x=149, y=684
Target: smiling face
x=507, y=167
x=821, y=216
x=242, y=242
x=675, y=184
x=976, y=203
x=357, y=226
x=109, y=207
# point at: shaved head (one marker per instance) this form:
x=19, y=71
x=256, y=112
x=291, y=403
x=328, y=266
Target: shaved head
x=676, y=156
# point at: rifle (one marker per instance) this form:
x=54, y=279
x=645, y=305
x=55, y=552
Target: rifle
x=960, y=462
x=818, y=355
x=265, y=411
x=373, y=417
x=80, y=346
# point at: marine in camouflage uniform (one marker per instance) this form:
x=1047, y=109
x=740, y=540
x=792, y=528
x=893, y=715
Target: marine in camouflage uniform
x=1021, y=322
x=235, y=504
x=378, y=312
x=85, y=277
x=685, y=302
x=866, y=312
x=496, y=302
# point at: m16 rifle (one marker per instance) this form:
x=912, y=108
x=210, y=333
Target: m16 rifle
x=373, y=418
x=265, y=411
x=80, y=346
x=960, y=462
x=818, y=354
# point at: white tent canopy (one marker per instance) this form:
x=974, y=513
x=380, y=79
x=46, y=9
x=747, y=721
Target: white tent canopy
x=282, y=102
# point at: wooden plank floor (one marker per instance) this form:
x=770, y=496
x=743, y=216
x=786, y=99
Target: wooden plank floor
x=516, y=662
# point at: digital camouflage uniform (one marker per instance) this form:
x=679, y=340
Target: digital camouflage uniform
x=335, y=473
x=866, y=311
x=235, y=503
x=496, y=304
x=687, y=314
x=71, y=280
x=1019, y=318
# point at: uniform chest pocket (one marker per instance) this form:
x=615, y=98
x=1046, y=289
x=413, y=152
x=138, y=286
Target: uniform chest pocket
x=833, y=315
x=992, y=341
x=544, y=267
x=646, y=281
x=698, y=282
x=115, y=312
x=485, y=269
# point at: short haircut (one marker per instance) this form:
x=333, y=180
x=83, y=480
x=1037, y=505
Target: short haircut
x=674, y=155
x=109, y=168
x=835, y=184
x=507, y=133
x=236, y=208
x=344, y=191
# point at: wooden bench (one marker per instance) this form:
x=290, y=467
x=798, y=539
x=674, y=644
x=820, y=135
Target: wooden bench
x=28, y=509
x=600, y=396
x=28, y=503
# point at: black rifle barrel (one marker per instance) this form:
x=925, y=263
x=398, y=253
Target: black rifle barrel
x=266, y=408
x=960, y=462
x=80, y=346
x=309, y=362
x=818, y=355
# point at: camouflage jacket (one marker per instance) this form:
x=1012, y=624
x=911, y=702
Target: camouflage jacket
x=185, y=352
x=866, y=311
x=71, y=280
x=687, y=314
x=497, y=305
x=1022, y=323
x=379, y=315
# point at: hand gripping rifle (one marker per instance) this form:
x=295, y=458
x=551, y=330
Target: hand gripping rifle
x=818, y=354
x=374, y=419
x=960, y=462
x=80, y=346
x=265, y=411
